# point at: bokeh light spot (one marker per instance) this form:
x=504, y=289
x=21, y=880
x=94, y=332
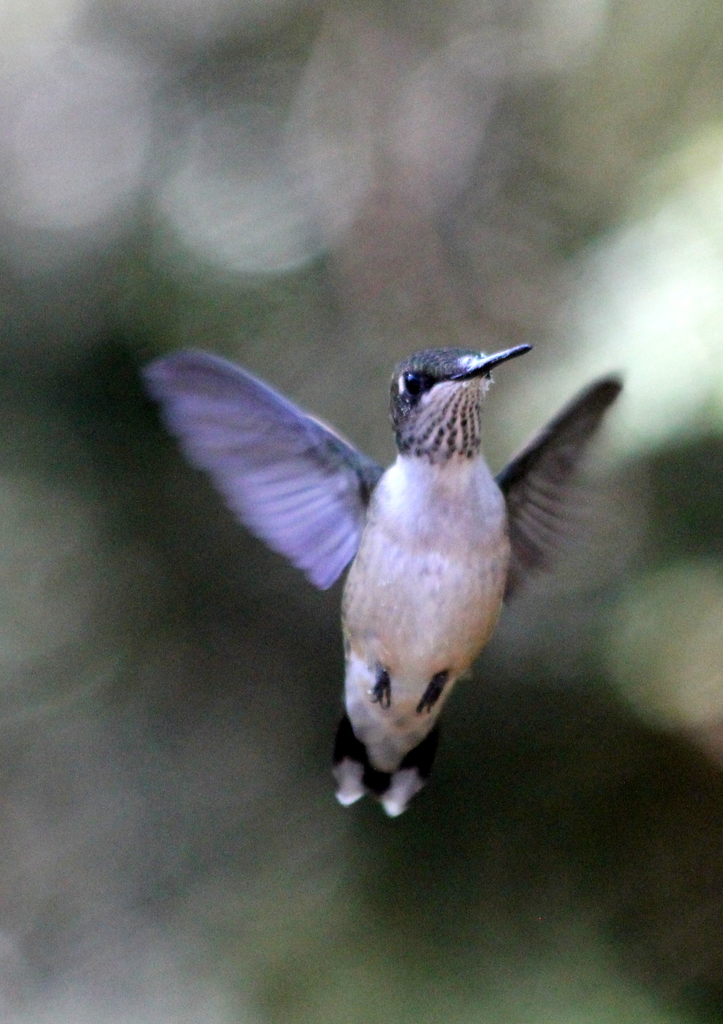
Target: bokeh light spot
x=231, y=199
x=666, y=644
x=78, y=140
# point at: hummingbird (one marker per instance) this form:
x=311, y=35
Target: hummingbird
x=436, y=542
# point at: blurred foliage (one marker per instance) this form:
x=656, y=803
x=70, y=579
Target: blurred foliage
x=316, y=189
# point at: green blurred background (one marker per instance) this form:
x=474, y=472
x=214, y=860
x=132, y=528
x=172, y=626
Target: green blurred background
x=315, y=190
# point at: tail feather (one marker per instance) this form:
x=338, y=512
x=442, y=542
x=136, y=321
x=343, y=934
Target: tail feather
x=356, y=776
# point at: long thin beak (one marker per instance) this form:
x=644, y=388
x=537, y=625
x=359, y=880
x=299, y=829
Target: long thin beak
x=482, y=366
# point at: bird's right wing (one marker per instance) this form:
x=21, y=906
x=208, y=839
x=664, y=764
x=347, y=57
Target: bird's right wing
x=537, y=483
x=290, y=479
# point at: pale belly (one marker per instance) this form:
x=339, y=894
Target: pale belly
x=419, y=602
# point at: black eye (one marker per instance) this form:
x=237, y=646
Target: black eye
x=416, y=383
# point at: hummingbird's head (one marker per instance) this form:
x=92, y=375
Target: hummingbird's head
x=435, y=400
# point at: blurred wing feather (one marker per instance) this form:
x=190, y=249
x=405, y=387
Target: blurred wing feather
x=291, y=480
x=538, y=483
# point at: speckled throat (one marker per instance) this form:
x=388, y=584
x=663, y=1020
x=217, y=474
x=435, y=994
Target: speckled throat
x=446, y=424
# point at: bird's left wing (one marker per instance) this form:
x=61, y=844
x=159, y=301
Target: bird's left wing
x=291, y=480
x=537, y=484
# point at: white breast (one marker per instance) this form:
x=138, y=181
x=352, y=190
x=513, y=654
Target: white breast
x=431, y=499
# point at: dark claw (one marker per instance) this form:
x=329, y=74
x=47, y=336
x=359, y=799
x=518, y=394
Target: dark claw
x=382, y=690
x=433, y=692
